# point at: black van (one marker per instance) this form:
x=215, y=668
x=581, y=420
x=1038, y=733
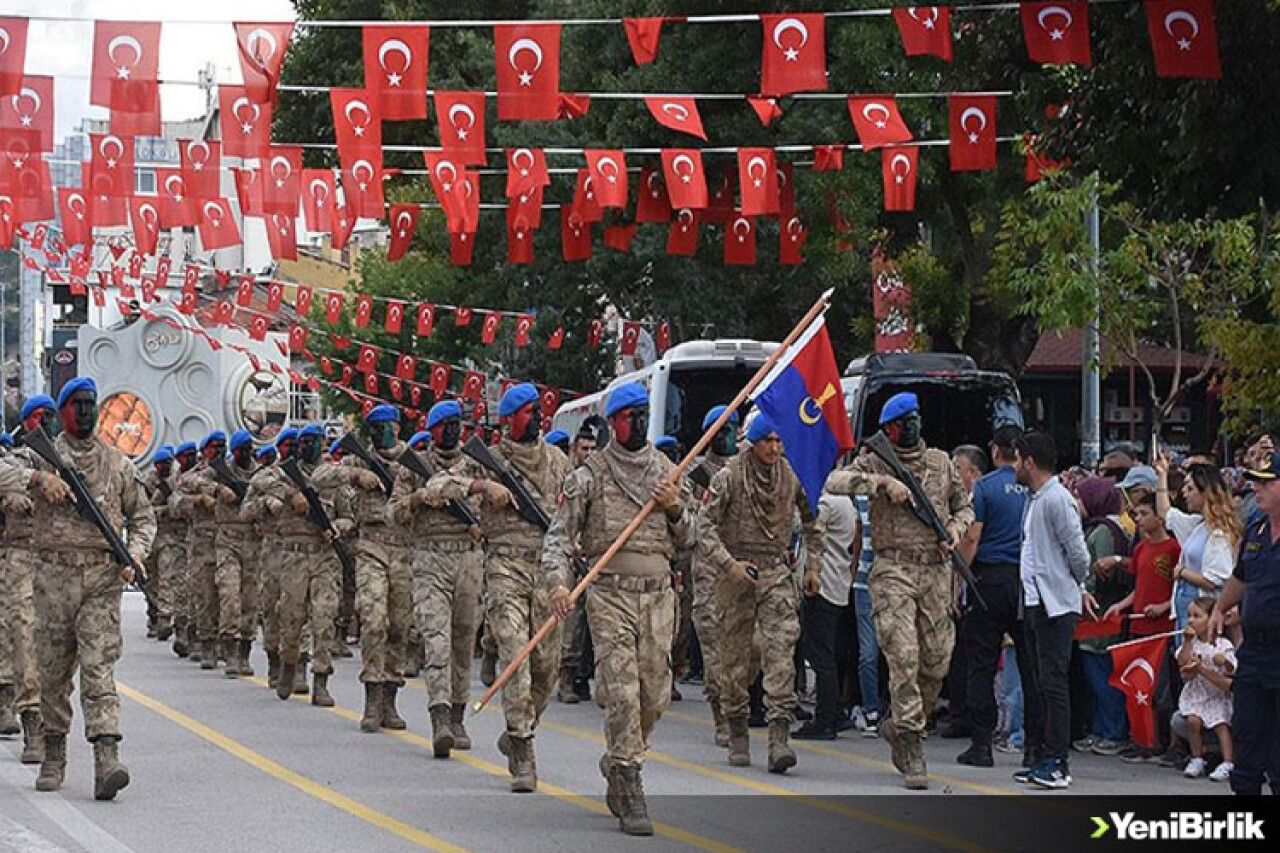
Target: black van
x=959, y=403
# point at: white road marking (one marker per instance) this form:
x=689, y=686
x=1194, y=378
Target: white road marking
x=57, y=809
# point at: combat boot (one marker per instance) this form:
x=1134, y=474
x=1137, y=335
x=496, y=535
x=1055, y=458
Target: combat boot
x=209, y=654
x=54, y=767
x=461, y=740
x=232, y=648
x=565, y=692
x=391, y=718
x=273, y=669
x=739, y=743
x=193, y=645
x=917, y=774
x=109, y=775
x=246, y=646
x=722, y=725
x=301, y=686
x=285, y=679
x=9, y=724
x=441, y=731
x=371, y=719
x=320, y=692
x=781, y=756
x=180, y=646
x=32, y=738
x=897, y=744
x=524, y=776
x=634, y=819
x=164, y=629
x=613, y=794
x=489, y=669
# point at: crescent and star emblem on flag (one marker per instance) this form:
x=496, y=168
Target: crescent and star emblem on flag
x=817, y=405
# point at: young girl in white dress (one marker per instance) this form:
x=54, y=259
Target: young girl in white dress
x=1207, y=668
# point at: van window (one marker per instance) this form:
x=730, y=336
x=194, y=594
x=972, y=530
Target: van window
x=955, y=410
x=693, y=391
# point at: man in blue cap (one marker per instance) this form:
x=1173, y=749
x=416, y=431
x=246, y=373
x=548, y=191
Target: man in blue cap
x=196, y=499
x=911, y=577
x=517, y=598
x=168, y=554
x=559, y=439
x=238, y=545
x=185, y=642
x=447, y=564
x=78, y=591
x=631, y=607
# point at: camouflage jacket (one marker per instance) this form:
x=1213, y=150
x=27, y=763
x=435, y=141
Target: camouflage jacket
x=426, y=522
x=368, y=509
x=159, y=490
x=22, y=527
x=185, y=502
x=270, y=502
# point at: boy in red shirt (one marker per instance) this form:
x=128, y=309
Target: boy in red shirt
x=1152, y=565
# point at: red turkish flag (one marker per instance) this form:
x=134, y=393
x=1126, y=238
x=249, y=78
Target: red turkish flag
x=404, y=222
x=686, y=179
x=609, y=174
x=362, y=189
x=282, y=180
x=326, y=364
x=795, y=54
x=395, y=70
x=395, y=317
x=1184, y=38
x=223, y=313
x=104, y=210
x=333, y=307
x=318, y=199
x=368, y=360
x=144, y=213
x=244, y=292
x=519, y=238
x=190, y=277
x=1057, y=33
x=246, y=126
x=786, y=189
x=462, y=316
x=586, y=201
x=302, y=301
x=364, y=310
x=925, y=30
x=1135, y=670
x=13, y=56
x=720, y=203
x=148, y=288
x=877, y=121
x=678, y=114
x=28, y=183
x=524, y=325
x=187, y=303
x=396, y=386
x=415, y=396
x=573, y=106
x=449, y=182
x=473, y=386
x=758, y=178
x=426, y=319
x=30, y=109
x=248, y=183
x=77, y=216
x=261, y=47
x=340, y=342
x=575, y=236
x=900, y=167
x=791, y=239
x=440, y=379
x=972, y=120
x=630, y=338
x=356, y=125
x=135, y=267
x=682, y=234
x=371, y=386
x=489, y=330
x=767, y=109
x=348, y=373
x=344, y=220
x=275, y=296
x=740, y=242
x=201, y=167
x=461, y=119
x=593, y=333
x=111, y=169
x=406, y=366
x=525, y=210
x=643, y=35
x=527, y=57
x=258, y=328
x=662, y=340
x=651, y=199
x=461, y=248
x=298, y=337
x=556, y=341
x=619, y=237
x=526, y=171
x=217, y=225
x=126, y=65
x=282, y=236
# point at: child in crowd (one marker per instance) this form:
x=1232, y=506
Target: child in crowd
x=1207, y=667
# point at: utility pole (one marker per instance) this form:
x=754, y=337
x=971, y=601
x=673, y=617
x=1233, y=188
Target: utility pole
x=1091, y=391
x=31, y=329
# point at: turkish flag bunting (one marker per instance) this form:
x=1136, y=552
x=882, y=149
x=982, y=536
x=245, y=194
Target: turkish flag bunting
x=527, y=57
x=791, y=239
x=344, y=220
x=663, y=338
x=426, y=319
x=462, y=316
x=111, y=169
x=262, y=47
x=368, y=360
x=126, y=65
x=786, y=190
x=244, y=292
x=489, y=329
x=686, y=180
x=447, y=179
x=248, y=190
x=720, y=204
x=190, y=277
x=461, y=119
x=302, y=301
x=473, y=385
x=1184, y=38
x=298, y=337
x=326, y=365
x=186, y=303
x=609, y=173
x=77, y=217
x=318, y=199
x=795, y=54
x=519, y=238
x=371, y=386
x=586, y=201
x=548, y=399
x=14, y=56
x=877, y=121
x=767, y=109
x=1037, y=162
x=572, y=106
x=223, y=313
x=972, y=120
x=524, y=325
x=258, y=328
x=105, y=210
x=682, y=233
x=340, y=342
x=404, y=221
x=333, y=307
x=1057, y=33
x=630, y=338
x=201, y=167
x=651, y=199
x=415, y=396
x=135, y=268
x=619, y=237
x=594, y=332
x=246, y=126
x=31, y=109
x=526, y=208
x=758, y=179
x=348, y=373
x=643, y=35
x=396, y=387
x=282, y=236
x=395, y=317
x=556, y=341
x=440, y=378
x=282, y=180
x=899, y=165
x=395, y=70
x=925, y=30
x=1135, y=671
x=740, y=242
x=678, y=114
x=145, y=216
x=356, y=125
x=575, y=236
x=364, y=310
x=362, y=190
x=526, y=170
x=275, y=296
x=461, y=247
x=406, y=366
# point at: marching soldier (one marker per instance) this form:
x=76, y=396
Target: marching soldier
x=347, y=603
x=196, y=500
x=910, y=579
x=185, y=641
x=631, y=606
x=238, y=547
x=170, y=550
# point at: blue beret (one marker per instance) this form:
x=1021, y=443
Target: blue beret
x=287, y=434
x=6, y=440
x=442, y=411
x=164, y=454
x=760, y=428
x=665, y=441
x=556, y=436
x=267, y=450
x=626, y=396
x=216, y=435
x=898, y=406
x=516, y=398
x=239, y=439
x=312, y=430
x=382, y=414
x=716, y=413
x=39, y=401
x=185, y=447
x=419, y=438
x=334, y=446
x=80, y=383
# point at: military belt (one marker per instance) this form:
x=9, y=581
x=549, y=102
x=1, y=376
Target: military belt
x=517, y=552
x=627, y=583
x=81, y=557
x=449, y=546
x=302, y=547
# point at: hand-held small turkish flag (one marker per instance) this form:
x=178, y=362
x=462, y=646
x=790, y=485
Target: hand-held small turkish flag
x=651, y=199
x=426, y=319
x=791, y=237
x=682, y=233
x=318, y=200
x=406, y=367
x=404, y=222
x=364, y=310
x=1184, y=38
x=246, y=126
x=609, y=174
x=1057, y=33
x=556, y=341
x=461, y=119
x=758, y=180
x=14, y=55
x=527, y=60
x=261, y=47
x=643, y=35
x=440, y=378
x=678, y=114
x=766, y=109
x=333, y=307
x=575, y=235
x=77, y=216
x=685, y=177
x=925, y=30
x=526, y=170
x=145, y=217
x=489, y=329
x=1135, y=670
x=900, y=167
x=368, y=360
x=972, y=122
x=395, y=317
x=794, y=58
x=740, y=242
x=201, y=167
x=395, y=70
x=877, y=121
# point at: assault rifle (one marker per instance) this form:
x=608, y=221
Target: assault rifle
x=224, y=475
x=316, y=513
x=922, y=507
x=698, y=474
x=352, y=445
x=458, y=509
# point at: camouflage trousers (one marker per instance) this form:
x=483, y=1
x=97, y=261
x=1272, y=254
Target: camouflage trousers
x=572, y=637
x=77, y=596
x=759, y=624
x=166, y=564
x=236, y=577
x=705, y=614
x=310, y=575
x=683, y=629
x=446, y=597
x=517, y=602
x=384, y=601
x=910, y=605
x=202, y=586
x=632, y=624
x=19, y=664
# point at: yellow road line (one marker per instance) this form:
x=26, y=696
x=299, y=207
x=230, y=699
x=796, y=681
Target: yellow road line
x=666, y=830
x=297, y=780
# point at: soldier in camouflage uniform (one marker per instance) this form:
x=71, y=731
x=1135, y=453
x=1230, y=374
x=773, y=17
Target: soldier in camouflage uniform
x=631, y=606
x=517, y=599
x=12, y=494
x=910, y=579
x=745, y=528
x=238, y=545
x=170, y=550
x=575, y=684
x=196, y=500
x=185, y=641
x=447, y=563
x=77, y=593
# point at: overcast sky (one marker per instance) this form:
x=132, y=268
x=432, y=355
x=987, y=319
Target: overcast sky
x=63, y=49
